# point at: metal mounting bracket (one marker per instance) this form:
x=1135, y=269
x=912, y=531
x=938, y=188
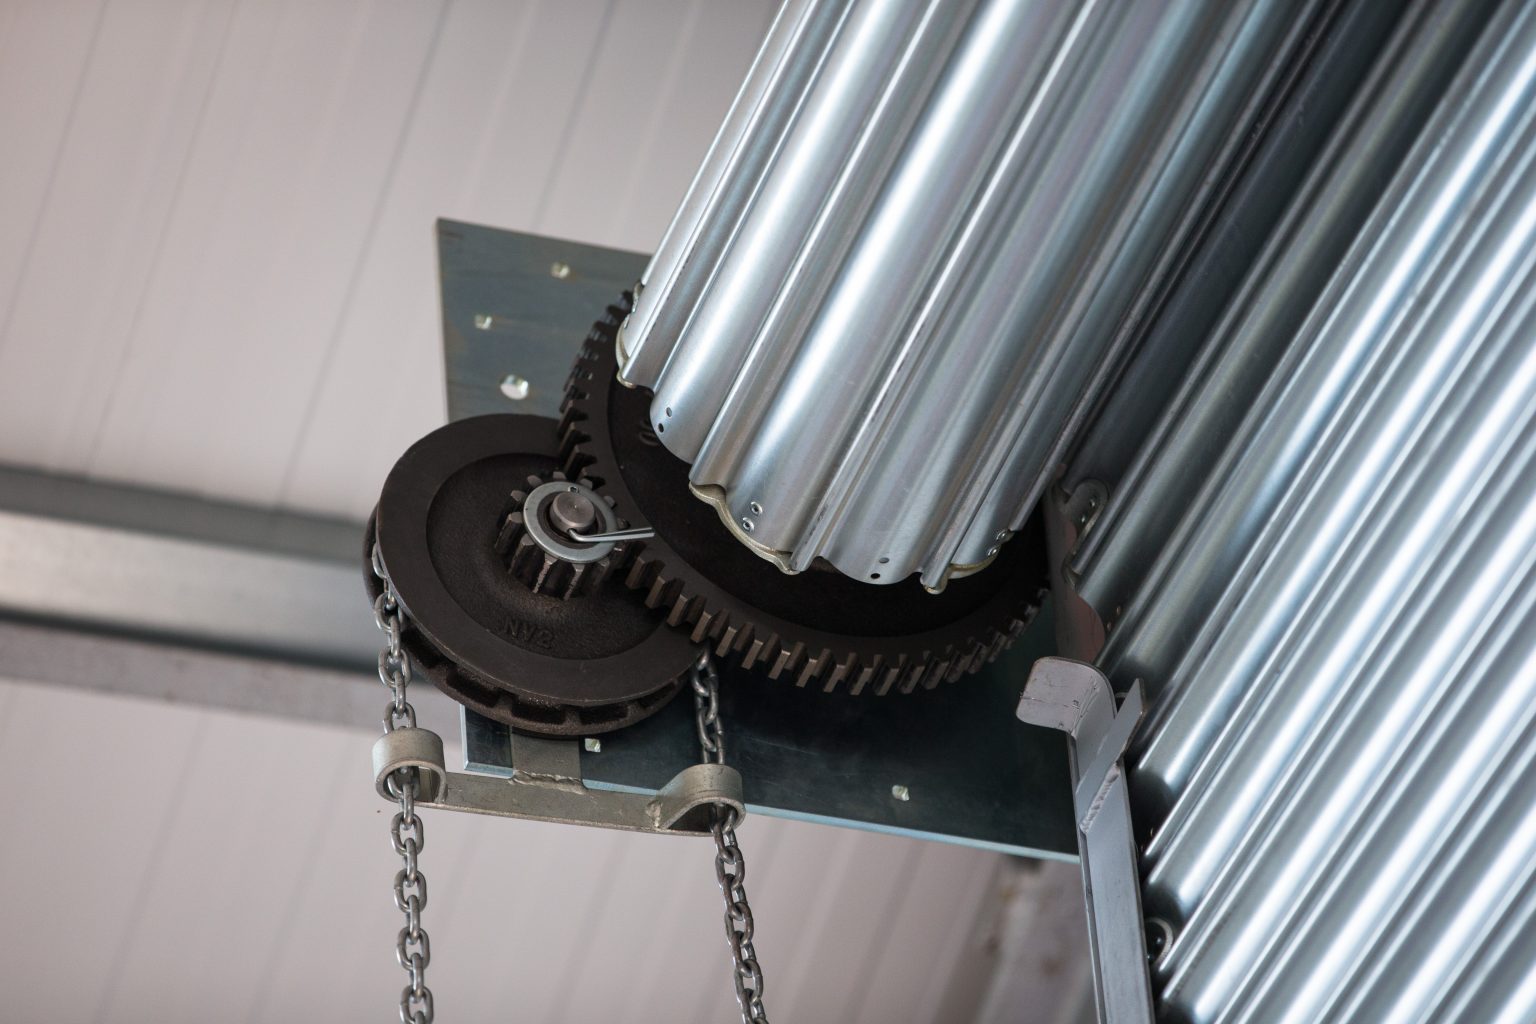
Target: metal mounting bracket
x=1076, y=698
x=546, y=785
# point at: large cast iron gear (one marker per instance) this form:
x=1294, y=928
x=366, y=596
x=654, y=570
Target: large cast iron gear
x=815, y=627
x=542, y=663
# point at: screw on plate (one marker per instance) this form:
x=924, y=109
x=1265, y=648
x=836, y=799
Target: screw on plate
x=514, y=387
x=592, y=745
x=901, y=793
x=559, y=270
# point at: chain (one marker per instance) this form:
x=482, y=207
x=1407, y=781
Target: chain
x=730, y=866
x=412, y=948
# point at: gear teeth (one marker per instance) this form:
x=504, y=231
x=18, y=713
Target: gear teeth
x=729, y=636
x=542, y=572
x=863, y=677
x=835, y=676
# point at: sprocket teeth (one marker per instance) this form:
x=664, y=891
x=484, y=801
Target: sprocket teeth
x=691, y=610
x=754, y=648
x=789, y=662
x=820, y=670
x=861, y=678
x=836, y=674
x=726, y=637
x=644, y=575
x=538, y=570
x=511, y=528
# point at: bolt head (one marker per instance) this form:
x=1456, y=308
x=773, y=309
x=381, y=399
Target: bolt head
x=901, y=793
x=592, y=745
x=571, y=512
x=559, y=271
x=514, y=387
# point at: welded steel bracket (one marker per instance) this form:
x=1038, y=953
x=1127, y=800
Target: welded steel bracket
x=1076, y=698
x=546, y=786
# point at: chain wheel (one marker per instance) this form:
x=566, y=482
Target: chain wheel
x=573, y=655
x=817, y=627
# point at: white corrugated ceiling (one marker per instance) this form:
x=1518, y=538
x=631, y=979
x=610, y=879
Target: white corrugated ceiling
x=216, y=252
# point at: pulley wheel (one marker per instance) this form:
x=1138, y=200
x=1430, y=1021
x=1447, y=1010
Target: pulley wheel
x=539, y=662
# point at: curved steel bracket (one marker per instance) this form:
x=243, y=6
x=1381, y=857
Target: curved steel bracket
x=1074, y=697
x=546, y=786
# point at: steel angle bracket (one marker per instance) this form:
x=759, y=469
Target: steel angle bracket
x=1076, y=698
x=546, y=785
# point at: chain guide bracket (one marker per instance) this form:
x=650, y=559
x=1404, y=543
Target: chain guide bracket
x=703, y=799
x=546, y=786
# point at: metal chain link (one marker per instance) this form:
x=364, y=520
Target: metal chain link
x=730, y=866
x=412, y=948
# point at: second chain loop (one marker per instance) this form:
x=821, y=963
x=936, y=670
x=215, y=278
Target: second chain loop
x=730, y=865
x=413, y=949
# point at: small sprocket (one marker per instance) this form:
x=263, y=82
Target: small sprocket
x=538, y=538
x=818, y=627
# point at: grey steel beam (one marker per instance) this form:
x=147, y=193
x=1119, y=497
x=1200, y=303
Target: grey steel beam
x=144, y=592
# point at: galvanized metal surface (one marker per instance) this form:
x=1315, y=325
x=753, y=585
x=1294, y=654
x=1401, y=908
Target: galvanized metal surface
x=1333, y=69
x=1304, y=250
x=515, y=309
x=972, y=774
x=926, y=261
x=1339, y=623
x=1076, y=698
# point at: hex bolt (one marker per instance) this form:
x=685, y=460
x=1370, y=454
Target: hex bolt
x=592, y=745
x=901, y=793
x=559, y=270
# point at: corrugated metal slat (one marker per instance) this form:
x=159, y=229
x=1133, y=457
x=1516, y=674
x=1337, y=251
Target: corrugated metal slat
x=1340, y=766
